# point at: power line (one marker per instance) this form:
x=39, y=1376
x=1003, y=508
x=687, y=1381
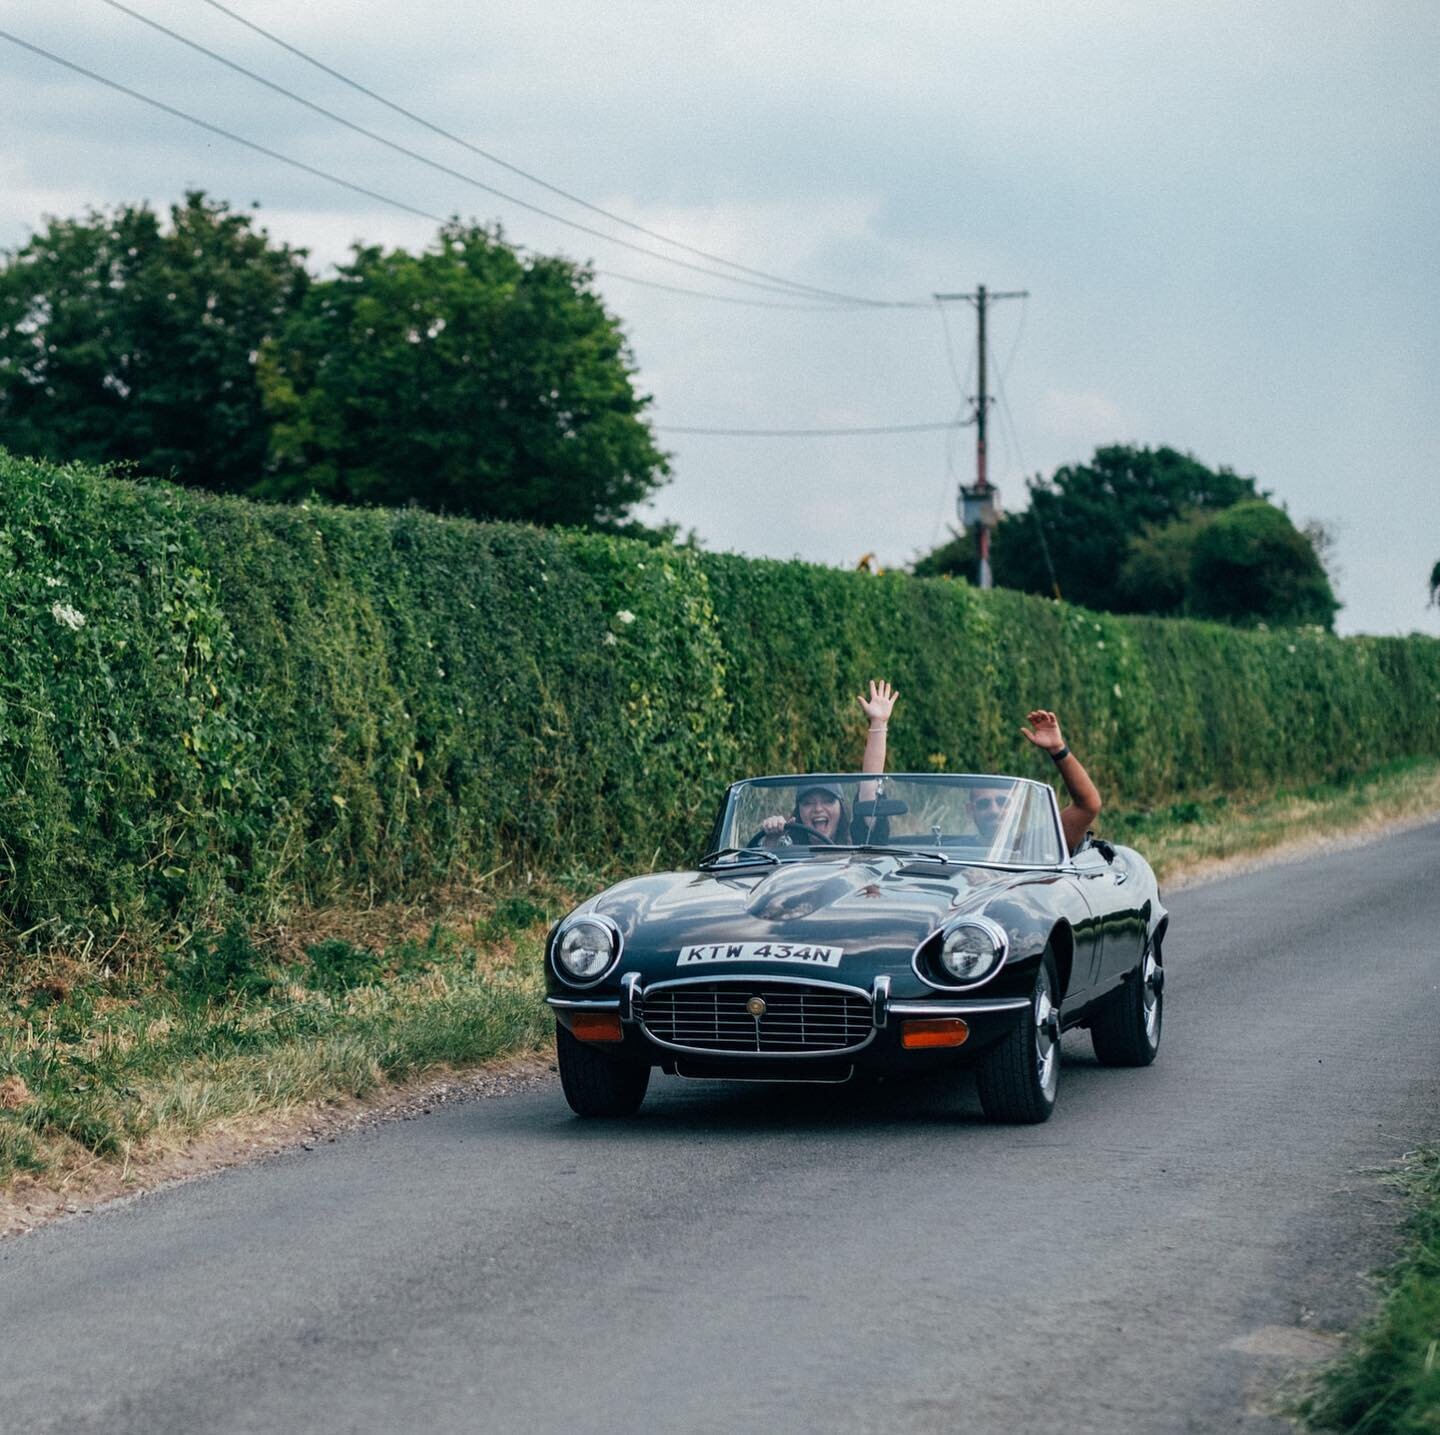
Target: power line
x=1006, y=416
x=445, y=169
x=217, y=130
x=1009, y=422
x=1019, y=334
x=814, y=433
x=426, y=214
x=372, y=193
x=950, y=348
x=791, y=284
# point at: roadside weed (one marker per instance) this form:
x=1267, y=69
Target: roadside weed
x=1388, y=1381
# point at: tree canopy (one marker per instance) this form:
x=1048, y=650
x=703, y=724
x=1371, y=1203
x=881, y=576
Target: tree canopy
x=1141, y=530
x=1250, y=562
x=463, y=379
x=1091, y=511
x=125, y=340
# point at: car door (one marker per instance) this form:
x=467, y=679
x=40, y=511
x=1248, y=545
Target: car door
x=1112, y=898
x=1088, y=873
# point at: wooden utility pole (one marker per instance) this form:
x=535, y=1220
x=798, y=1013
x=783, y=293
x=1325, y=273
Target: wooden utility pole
x=979, y=503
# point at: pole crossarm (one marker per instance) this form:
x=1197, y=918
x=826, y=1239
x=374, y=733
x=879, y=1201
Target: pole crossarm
x=987, y=293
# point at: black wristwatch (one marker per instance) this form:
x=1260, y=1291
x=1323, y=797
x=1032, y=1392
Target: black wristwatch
x=1061, y=755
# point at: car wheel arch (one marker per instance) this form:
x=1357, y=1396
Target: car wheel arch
x=1062, y=947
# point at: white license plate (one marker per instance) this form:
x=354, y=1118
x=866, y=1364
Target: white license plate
x=795, y=953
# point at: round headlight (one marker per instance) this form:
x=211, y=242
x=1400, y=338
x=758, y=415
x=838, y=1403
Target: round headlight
x=971, y=953
x=585, y=949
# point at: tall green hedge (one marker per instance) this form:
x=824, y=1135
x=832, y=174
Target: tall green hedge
x=207, y=702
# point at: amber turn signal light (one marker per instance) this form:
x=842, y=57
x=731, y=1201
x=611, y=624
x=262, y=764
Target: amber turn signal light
x=934, y=1031
x=596, y=1025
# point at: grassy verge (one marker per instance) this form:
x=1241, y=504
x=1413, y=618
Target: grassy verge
x=101, y=1057
x=1389, y=1379
x=105, y=1053
x=1186, y=837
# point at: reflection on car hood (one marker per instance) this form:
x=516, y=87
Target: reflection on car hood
x=861, y=904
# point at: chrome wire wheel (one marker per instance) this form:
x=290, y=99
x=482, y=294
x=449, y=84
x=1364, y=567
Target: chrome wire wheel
x=1151, y=983
x=1047, y=1037
x=1018, y=1075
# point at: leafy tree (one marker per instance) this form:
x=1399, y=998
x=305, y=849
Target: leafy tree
x=462, y=379
x=1090, y=513
x=121, y=339
x=1243, y=564
x=957, y=557
x=1251, y=563
x=1155, y=576
x=1156, y=531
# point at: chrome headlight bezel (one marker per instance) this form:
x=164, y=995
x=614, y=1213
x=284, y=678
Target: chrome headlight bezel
x=929, y=964
x=571, y=926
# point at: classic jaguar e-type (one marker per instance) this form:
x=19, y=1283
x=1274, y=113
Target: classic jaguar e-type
x=850, y=922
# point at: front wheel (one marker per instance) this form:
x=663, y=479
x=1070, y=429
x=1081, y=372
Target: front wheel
x=1019, y=1076
x=1126, y=1027
x=595, y=1083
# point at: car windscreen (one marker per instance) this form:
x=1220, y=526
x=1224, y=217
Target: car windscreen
x=969, y=817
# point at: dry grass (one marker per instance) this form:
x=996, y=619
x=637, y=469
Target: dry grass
x=107, y=1061
x=1191, y=842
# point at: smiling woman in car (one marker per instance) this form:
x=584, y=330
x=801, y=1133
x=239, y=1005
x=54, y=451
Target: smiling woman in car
x=820, y=812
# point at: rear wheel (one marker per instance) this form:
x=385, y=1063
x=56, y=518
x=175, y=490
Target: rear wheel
x=596, y=1083
x=1126, y=1027
x=1019, y=1076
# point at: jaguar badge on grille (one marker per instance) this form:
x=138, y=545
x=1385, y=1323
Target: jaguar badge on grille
x=756, y=1006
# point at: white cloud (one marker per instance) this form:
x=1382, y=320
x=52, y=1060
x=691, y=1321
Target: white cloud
x=1224, y=213
x=1083, y=420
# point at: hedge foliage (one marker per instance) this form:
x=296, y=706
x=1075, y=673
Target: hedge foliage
x=209, y=705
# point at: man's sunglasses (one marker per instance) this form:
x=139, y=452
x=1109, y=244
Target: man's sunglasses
x=981, y=803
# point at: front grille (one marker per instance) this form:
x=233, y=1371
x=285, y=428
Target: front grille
x=714, y=1016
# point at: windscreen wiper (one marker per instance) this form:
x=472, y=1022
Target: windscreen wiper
x=912, y=852
x=738, y=856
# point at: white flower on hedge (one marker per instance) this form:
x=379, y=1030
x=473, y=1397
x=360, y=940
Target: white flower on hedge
x=1289, y=647
x=609, y=640
x=70, y=617
x=1100, y=643
x=52, y=582
x=1117, y=690
x=625, y=616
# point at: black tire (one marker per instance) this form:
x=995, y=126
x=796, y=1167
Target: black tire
x=1126, y=1026
x=1018, y=1077
x=595, y=1083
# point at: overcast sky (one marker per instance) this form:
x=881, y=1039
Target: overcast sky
x=1226, y=213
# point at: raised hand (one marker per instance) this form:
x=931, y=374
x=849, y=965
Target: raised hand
x=1046, y=732
x=881, y=702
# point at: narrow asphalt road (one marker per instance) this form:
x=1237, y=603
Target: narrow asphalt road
x=746, y=1258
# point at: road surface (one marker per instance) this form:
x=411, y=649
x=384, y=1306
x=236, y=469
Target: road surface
x=744, y=1258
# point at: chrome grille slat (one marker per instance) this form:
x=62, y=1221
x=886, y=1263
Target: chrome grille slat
x=798, y=1019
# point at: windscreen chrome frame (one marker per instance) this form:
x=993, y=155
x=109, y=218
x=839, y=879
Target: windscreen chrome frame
x=1063, y=861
